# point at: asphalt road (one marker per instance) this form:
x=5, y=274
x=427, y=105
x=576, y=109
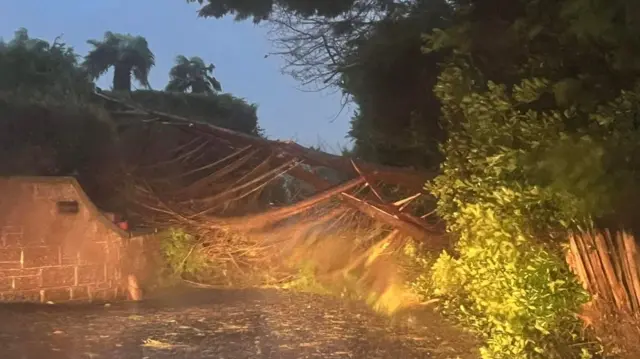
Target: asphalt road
x=224, y=324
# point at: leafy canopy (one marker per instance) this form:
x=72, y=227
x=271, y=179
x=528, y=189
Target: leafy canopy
x=192, y=74
x=371, y=50
x=390, y=80
x=37, y=69
x=261, y=10
x=540, y=112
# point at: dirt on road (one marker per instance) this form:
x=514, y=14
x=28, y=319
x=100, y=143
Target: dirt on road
x=207, y=323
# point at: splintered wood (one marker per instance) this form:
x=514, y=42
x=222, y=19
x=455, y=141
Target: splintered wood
x=607, y=266
x=217, y=184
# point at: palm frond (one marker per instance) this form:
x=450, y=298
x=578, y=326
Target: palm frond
x=214, y=83
x=180, y=71
x=99, y=60
x=177, y=85
x=141, y=74
x=193, y=74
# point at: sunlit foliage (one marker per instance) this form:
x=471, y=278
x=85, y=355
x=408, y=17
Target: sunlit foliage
x=514, y=181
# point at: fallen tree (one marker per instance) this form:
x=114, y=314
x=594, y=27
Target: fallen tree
x=214, y=183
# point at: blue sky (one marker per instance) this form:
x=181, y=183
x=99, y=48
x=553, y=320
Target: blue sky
x=172, y=28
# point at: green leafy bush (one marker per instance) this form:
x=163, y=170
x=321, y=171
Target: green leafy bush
x=514, y=181
x=520, y=295
x=184, y=256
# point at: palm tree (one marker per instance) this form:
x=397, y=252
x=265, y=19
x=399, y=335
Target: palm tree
x=127, y=54
x=192, y=74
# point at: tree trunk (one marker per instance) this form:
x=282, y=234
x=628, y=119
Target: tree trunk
x=199, y=87
x=122, y=78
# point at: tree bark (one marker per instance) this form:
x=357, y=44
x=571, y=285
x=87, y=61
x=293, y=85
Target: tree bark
x=122, y=78
x=199, y=87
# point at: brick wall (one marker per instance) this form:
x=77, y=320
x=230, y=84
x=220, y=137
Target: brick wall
x=50, y=256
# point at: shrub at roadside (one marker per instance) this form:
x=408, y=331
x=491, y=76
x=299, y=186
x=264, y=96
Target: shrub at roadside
x=515, y=179
x=184, y=257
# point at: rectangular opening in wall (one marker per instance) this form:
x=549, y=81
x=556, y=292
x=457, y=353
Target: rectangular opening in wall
x=68, y=207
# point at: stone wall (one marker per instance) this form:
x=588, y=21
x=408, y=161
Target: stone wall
x=48, y=252
x=143, y=259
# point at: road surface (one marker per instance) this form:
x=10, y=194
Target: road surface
x=224, y=324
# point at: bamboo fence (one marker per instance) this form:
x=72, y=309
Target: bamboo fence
x=607, y=266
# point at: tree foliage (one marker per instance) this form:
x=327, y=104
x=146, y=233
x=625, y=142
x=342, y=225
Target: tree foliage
x=391, y=81
x=314, y=36
x=32, y=70
x=535, y=108
x=48, y=139
x=222, y=110
x=52, y=124
x=38, y=69
x=585, y=57
x=371, y=50
x=183, y=253
x=508, y=280
x=128, y=55
x=261, y=10
x=586, y=48
x=192, y=74
x=540, y=111
x=340, y=43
